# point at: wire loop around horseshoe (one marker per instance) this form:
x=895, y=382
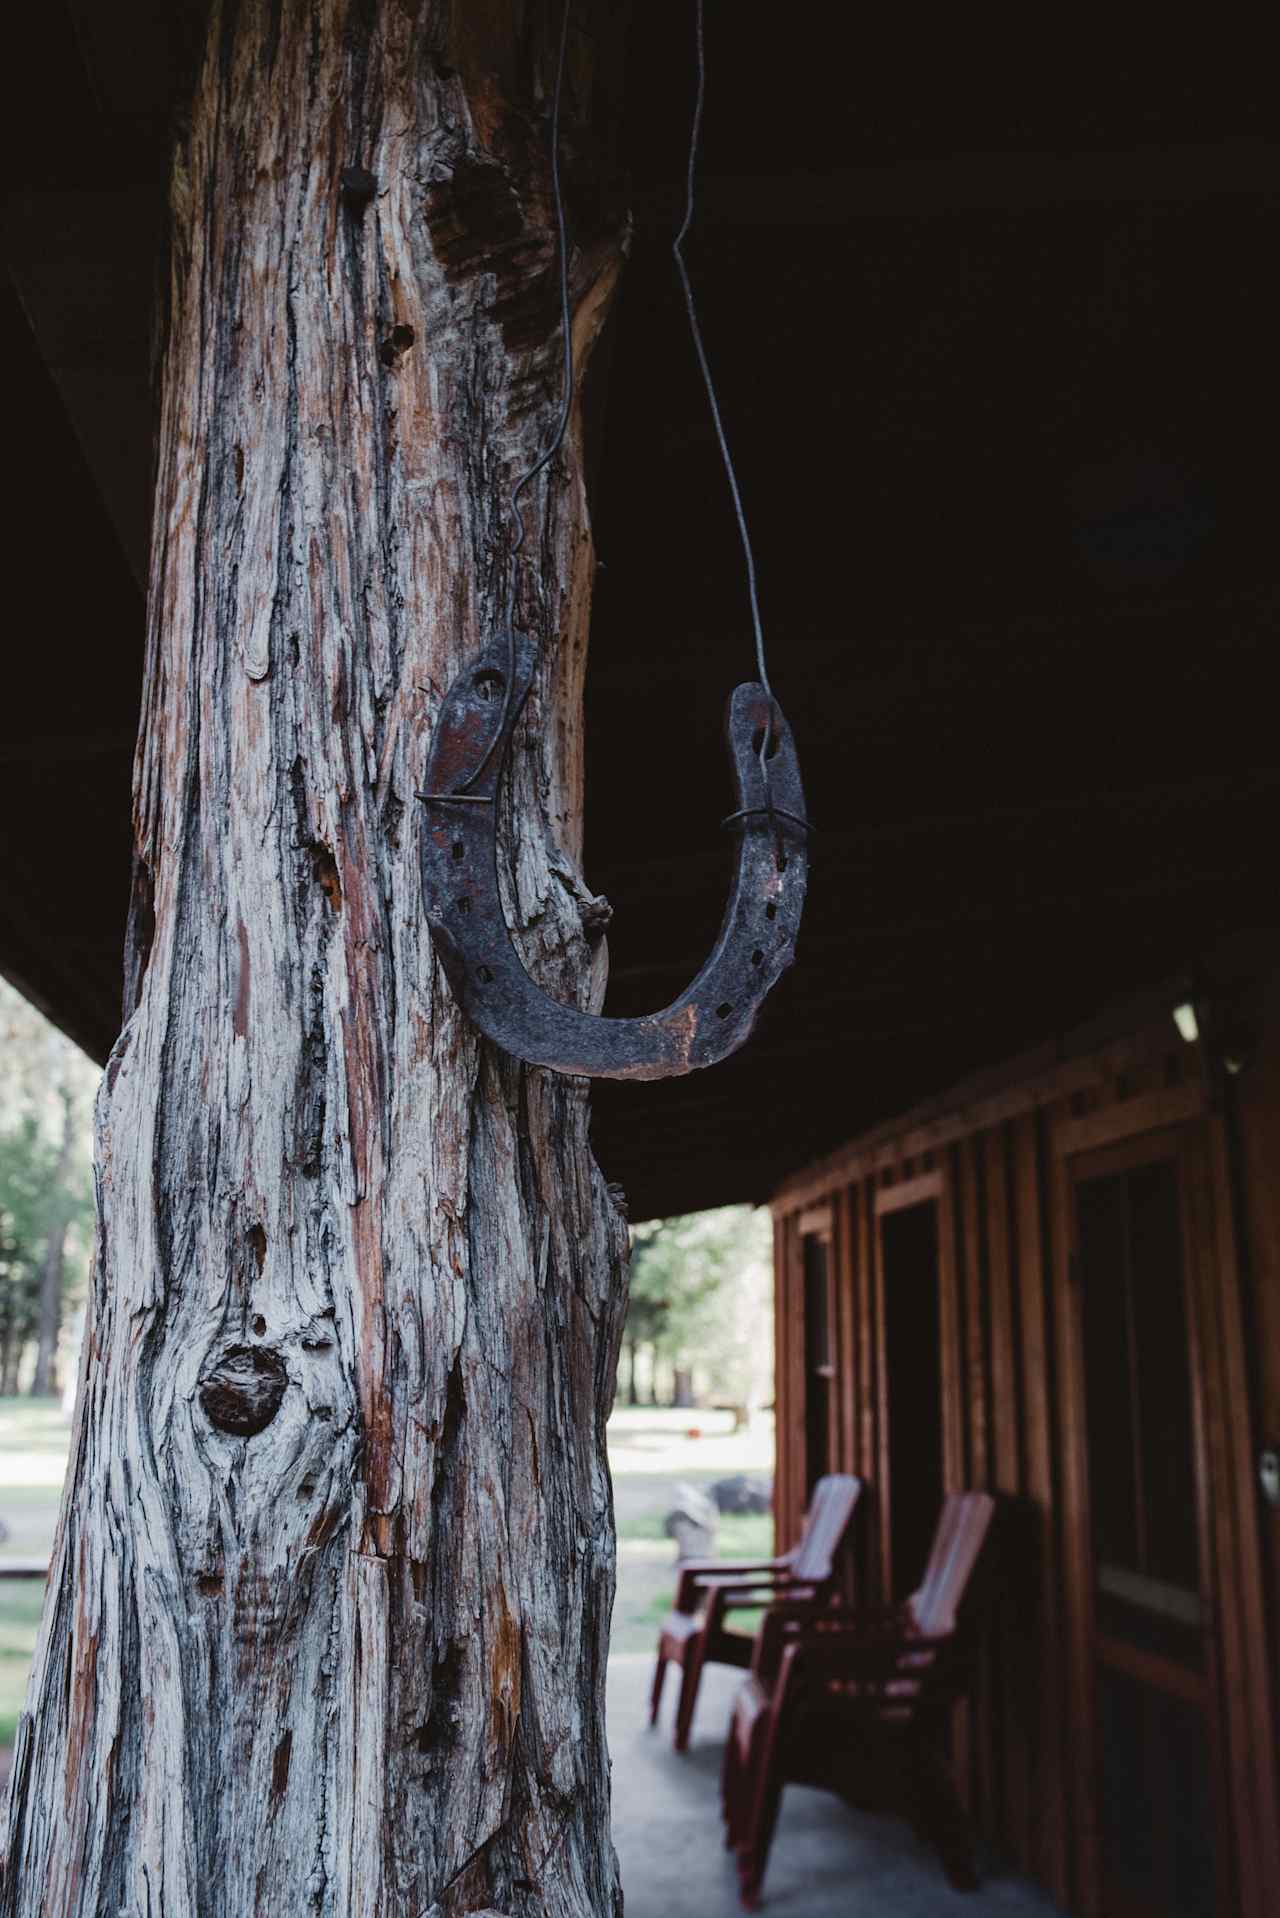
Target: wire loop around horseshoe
x=756, y=942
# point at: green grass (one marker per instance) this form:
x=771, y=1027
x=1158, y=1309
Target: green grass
x=33, y=1425
x=33, y=1429
x=647, y=1562
x=20, y=1604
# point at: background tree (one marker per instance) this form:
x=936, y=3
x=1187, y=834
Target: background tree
x=46, y=1086
x=701, y=1301
x=328, y=1613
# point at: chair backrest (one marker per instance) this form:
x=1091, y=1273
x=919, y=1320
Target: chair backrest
x=962, y=1531
x=830, y=1511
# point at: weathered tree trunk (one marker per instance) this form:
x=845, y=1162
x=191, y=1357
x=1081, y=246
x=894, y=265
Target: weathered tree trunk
x=328, y=1615
x=44, y=1378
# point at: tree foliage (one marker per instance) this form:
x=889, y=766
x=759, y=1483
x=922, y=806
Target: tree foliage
x=701, y=1298
x=46, y=1203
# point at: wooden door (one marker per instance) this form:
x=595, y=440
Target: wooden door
x=1156, y=1824
x=912, y=1475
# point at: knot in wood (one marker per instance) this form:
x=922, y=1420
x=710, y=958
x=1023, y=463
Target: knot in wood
x=242, y=1394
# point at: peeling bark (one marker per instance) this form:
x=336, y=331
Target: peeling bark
x=328, y=1615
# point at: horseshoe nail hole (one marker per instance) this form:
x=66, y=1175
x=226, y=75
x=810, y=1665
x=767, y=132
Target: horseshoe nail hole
x=484, y=975
x=771, y=910
x=259, y=1326
x=782, y=862
x=757, y=741
x=757, y=957
x=209, y=1584
x=464, y=904
x=488, y=685
x=459, y=850
x=307, y=1489
x=723, y=1011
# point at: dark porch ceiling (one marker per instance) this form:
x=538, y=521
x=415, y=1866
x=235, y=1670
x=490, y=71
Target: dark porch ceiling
x=994, y=329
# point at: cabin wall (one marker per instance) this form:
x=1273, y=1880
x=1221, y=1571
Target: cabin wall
x=998, y=1173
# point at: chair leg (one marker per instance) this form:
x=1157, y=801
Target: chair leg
x=942, y=1818
x=691, y=1678
x=761, y=1817
x=729, y=1769
x=659, y=1674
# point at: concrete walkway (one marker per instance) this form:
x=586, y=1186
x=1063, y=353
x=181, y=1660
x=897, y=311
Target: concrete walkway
x=826, y=1860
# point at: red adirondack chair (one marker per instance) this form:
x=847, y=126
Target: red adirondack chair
x=696, y=1634
x=855, y=1700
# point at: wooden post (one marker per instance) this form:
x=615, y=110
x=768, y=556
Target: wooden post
x=329, y=1606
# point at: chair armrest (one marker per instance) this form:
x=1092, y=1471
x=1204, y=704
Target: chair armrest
x=919, y=1672
x=723, y=1594
x=698, y=1575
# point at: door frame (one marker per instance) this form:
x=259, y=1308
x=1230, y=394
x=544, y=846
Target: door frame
x=817, y=1222
x=1176, y=1127
x=928, y=1188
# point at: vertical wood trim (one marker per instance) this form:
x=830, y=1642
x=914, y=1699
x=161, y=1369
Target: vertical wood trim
x=950, y=1335
x=974, y=1331
x=866, y=1334
x=1043, y=1702
x=781, y=1384
x=844, y=1390
x=1013, y=1675
x=1226, y=1708
x=1077, y=1553
x=797, y=1449
x=886, y=1571
x=1007, y=1473
x=1253, y=1764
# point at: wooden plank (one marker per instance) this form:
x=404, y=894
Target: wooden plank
x=913, y=1191
x=783, y=1422
x=951, y=1339
x=884, y=1464
x=818, y=1219
x=1160, y=1674
x=797, y=1492
x=1007, y=1467
x=1076, y=1549
x=867, y=1333
x=1225, y=1708
x=1012, y=1669
x=1262, y=1868
x=977, y=1395
x=1040, y=1703
x=846, y=1384
x=954, y=1450
x=1254, y=1114
x=1148, y=1112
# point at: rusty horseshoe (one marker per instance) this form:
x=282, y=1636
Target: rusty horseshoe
x=757, y=937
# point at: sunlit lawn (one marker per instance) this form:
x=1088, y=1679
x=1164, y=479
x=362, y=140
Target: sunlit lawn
x=650, y=1453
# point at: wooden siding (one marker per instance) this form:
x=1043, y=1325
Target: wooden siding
x=1000, y=1168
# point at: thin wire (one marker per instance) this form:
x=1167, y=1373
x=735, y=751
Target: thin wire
x=707, y=380
x=566, y=404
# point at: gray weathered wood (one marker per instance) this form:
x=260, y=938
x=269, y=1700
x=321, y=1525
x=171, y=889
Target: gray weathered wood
x=328, y=1615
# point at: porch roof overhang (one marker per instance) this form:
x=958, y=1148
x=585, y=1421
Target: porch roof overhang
x=997, y=361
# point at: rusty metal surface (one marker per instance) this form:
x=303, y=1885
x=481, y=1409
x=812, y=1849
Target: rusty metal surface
x=756, y=942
